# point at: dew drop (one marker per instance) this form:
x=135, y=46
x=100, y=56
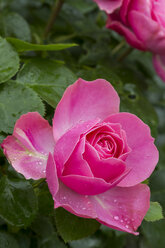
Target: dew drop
x=127, y=226
x=44, y=171
x=121, y=221
x=83, y=208
x=114, y=200
x=116, y=217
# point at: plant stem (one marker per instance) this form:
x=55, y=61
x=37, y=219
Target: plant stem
x=118, y=47
x=125, y=54
x=38, y=183
x=55, y=11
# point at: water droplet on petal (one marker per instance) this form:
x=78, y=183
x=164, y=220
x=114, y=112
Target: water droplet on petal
x=121, y=221
x=127, y=226
x=116, y=217
x=114, y=200
x=83, y=208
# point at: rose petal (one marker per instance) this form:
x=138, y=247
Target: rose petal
x=76, y=165
x=90, y=185
x=159, y=64
x=126, y=32
x=151, y=34
x=108, y=169
x=122, y=208
x=65, y=197
x=119, y=208
x=28, y=148
x=109, y=5
x=144, y=155
x=67, y=143
x=84, y=101
x=158, y=11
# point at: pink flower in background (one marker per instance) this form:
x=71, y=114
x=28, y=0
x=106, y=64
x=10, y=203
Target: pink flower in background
x=109, y=5
x=142, y=22
x=94, y=159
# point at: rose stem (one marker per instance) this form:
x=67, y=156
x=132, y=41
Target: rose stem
x=55, y=11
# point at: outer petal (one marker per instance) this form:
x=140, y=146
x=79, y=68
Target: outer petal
x=122, y=208
x=84, y=101
x=65, y=197
x=28, y=148
x=159, y=64
x=109, y=5
x=126, y=32
x=151, y=34
x=119, y=208
x=144, y=155
x=90, y=185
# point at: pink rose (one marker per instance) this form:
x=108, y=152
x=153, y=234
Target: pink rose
x=142, y=22
x=94, y=159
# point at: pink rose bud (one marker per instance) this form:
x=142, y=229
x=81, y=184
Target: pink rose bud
x=142, y=22
x=95, y=157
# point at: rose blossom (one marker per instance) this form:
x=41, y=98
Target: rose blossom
x=94, y=158
x=142, y=22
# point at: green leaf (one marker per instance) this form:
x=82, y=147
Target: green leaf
x=157, y=185
x=14, y=25
x=7, y=240
x=71, y=227
x=154, y=233
x=47, y=237
x=9, y=61
x=155, y=212
x=16, y=100
x=22, y=46
x=18, y=202
x=48, y=78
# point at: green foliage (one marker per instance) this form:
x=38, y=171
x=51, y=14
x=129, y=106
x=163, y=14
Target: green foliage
x=155, y=212
x=70, y=227
x=7, y=241
x=23, y=46
x=48, y=78
x=18, y=202
x=9, y=61
x=16, y=100
x=13, y=24
x=34, y=73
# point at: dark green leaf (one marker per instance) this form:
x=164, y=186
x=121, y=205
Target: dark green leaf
x=71, y=227
x=18, y=202
x=48, y=78
x=7, y=241
x=9, y=61
x=155, y=212
x=157, y=185
x=22, y=46
x=14, y=25
x=154, y=233
x=16, y=100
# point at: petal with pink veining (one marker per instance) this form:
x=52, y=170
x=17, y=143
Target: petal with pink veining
x=122, y=208
x=28, y=148
x=144, y=155
x=84, y=101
